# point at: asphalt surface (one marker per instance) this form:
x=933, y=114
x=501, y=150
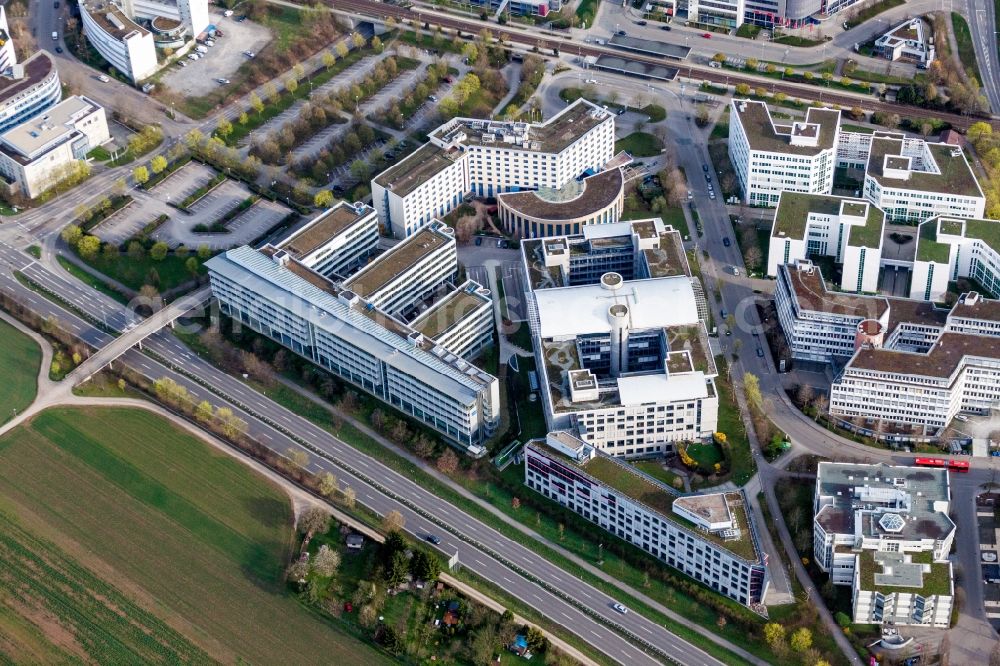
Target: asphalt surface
x=480, y=548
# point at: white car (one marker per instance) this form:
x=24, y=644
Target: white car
x=193, y=56
x=250, y=54
x=621, y=609
x=223, y=81
x=594, y=81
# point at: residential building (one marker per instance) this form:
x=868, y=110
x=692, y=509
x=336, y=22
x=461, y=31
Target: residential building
x=911, y=40
x=36, y=154
x=415, y=365
x=884, y=530
x=912, y=180
x=28, y=88
x=336, y=242
x=952, y=248
x=619, y=340
x=710, y=537
x=486, y=158
x=771, y=158
x=849, y=230
x=119, y=39
x=597, y=199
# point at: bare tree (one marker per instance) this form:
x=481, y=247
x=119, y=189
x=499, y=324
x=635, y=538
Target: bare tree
x=393, y=521
x=314, y=520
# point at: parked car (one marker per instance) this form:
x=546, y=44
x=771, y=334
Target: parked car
x=666, y=27
x=622, y=33
x=479, y=240
x=760, y=352
x=704, y=167
x=642, y=23
x=706, y=35
x=726, y=241
x=223, y=81
x=59, y=49
x=708, y=177
x=250, y=54
x=55, y=5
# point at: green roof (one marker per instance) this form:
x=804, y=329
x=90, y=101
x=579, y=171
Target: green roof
x=936, y=581
x=415, y=170
x=928, y=247
x=956, y=175
x=986, y=230
x=794, y=208
x=869, y=235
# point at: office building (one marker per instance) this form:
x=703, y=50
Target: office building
x=336, y=242
x=38, y=153
x=849, y=230
x=910, y=40
x=28, y=88
x=620, y=345
x=951, y=248
x=486, y=158
x=414, y=362
x=884, y=531
x=121, y=41
x=912, y=180
x=710, y=537
x=722, y=13
x=771, y=158
x=597, y=199
x=192, y=14
x=8, y=57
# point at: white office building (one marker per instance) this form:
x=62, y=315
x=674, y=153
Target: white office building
x=722, y=13
x=770, y=158
x=849, y=230
x=120, y=40
x=621, y=348
x=910, y=40
x=8, y=57
x=710, y=537
x=414, y=363
x=28, y=88
x=193, y=14
x=885, y=532
x=951, y=248
x=336, y=242
x=36, y=154
x=912, y=180
x=486, y=158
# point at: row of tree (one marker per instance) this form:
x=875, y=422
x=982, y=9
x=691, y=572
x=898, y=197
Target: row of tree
x=987, y=145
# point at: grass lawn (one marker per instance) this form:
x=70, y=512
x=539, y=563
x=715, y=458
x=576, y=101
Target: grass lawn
x=20, y=359
x=674, y=216
x=100, y=154
x=655, y=469
x=177, y=554
x=706, y=454
x=966, y=51
x=90, y=280
x=134, y=273
x=731, y=423
x=872, y=10
x=639, y=144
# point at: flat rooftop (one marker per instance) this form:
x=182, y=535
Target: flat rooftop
x=650, y=46
x=552, y=136
x=911, y=311
x=812, y=294
x=659, y=498
x=910, y=573
x=51, y=125
x=416, y=169
x=941, y=361
x=669, y=259
x=112, y=19
x=322, y=228
x=36, y=69
x=629, y=67
x=987, y=309
x=955, y=175
x=792, y=213
x=764, y=135
x=598, y=192
x=396, y=261
x=449, y=311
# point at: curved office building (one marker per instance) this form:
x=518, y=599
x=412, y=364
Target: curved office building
x=598, y=199
x=123, y=42
x=27, y=89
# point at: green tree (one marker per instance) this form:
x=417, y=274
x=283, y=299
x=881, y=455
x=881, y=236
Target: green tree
x=314, y=520
x=801, y=639
x=224, y=128
x=323, y=199
x=291, y=85
x=719, y=57
x=203, y=412
x=158, y=164
x=88, y=247
x=377, y=45
x=396, y=572
x=774, y=633
x=751, y=387
x=71, y=235
x=192, y=266
x=742, y=89
x=342, y=49
x=329, y=59
x=424, y=566
x=243, y=119
x=159, y=251
x=327, y=484
x=357, y=40
x=256, y=103
x=140, y=174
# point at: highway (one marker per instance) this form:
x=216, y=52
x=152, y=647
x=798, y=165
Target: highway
x=480, y=548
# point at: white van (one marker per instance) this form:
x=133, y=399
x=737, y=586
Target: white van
x=55, y=36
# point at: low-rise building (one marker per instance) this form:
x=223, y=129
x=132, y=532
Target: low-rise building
x=486, y=158
x=884, y=530
x=710, y=537
x=911, y=40
x=770, y=158
x=950, y=248
x=412, y=357
x=28, y=88
x=120, y=40
x=38, y=153
x=849, y=230
x=619, y=340
x=598, y=199
x=912, y=180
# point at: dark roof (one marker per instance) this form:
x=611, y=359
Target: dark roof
x=811, y=294
x=36, y=68
x=983, y=308
x=909, y=311
x=942, y=360
x=599, y=191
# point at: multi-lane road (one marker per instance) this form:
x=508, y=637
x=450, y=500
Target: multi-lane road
x=511, y=565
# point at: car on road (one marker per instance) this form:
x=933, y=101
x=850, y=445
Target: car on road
x=760, y=352
x=499, y=242
x=706, y=35
x=711, y=195
x=736, y=271
x=250, y=54
x=622, y=33
x=55, y=5
x=223, y=81
x=666, y=27
x=726, y=241
x=192, y=56
x=704, y=167
x=433, y=539
x=690, y=195
x=594, y=81
x=708, y=177
x=240, y=19
x=479, y=240
x=59, y=49
x=643, y=23
x=618, y=607
x=723, y=313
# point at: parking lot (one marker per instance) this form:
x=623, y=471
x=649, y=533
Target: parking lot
x=179, y=228
x=198, y=77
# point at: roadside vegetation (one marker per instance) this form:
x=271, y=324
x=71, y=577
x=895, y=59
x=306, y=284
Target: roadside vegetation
x=21, y=359
x=869, y=9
